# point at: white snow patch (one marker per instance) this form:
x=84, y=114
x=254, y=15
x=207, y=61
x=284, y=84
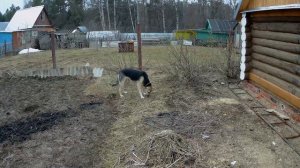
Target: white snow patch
x=29, y=50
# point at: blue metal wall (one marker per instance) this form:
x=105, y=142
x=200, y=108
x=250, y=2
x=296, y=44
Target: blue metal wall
x=5, y=39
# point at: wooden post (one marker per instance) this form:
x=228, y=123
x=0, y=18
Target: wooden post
x=53, y=50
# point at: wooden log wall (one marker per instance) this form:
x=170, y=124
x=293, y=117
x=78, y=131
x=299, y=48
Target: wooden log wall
x=246, y=49
x=272, y=56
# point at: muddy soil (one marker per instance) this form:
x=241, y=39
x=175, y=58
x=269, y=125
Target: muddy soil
x=224, y=131
x=51, y=123
x=54, y=123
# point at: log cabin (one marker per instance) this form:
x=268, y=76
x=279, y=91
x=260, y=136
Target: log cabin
x=270, y=49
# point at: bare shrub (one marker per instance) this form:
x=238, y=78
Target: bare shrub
x=232, y=59
x=120, y=61
x=185, y=67
x=163, y=149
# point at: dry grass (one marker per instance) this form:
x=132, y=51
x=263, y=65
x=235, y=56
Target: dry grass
x=129, y=129
x=110, y=58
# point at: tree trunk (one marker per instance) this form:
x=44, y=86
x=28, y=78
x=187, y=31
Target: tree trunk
x=101, y=12
x=130, y=14
x=163, y=16
x=177, y=15
x=108, y=15
x=146, y=19
x=115, y=16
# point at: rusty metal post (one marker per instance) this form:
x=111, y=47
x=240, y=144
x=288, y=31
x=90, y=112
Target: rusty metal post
x=53, y=50
x=139, y=38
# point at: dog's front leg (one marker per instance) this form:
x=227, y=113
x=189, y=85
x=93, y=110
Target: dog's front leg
x=121, y=87
x=139, y=86
x=120, y=92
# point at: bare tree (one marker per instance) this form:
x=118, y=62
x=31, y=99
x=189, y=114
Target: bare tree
x=177, y=14
x=163, y=15
x=130, y=13
x=101, y=13
x=108, y=15
x=233, y=3
x=115, y=16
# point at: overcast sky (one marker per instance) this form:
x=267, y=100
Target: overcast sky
x=5, y=4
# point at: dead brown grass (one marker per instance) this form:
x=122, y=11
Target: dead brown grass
x=129, y=128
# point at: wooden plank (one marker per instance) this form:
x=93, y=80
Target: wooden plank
x=288, y=47
x=276, y=90
x=279, y=82
x=276, y=18
x=293, y=68
x=276, y=13
x=278, y=27
x=278, y=36
x=266, y=3
x=282, y=55
x=279, y=73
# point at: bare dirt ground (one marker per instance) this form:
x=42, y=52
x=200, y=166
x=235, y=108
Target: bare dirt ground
x=51, y=123
x=69, y=122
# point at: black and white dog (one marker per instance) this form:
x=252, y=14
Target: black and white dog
x=140, y=77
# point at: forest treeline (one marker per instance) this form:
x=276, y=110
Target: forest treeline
x=155, y=15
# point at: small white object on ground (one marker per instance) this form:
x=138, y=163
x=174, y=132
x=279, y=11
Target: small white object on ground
x=205, y=136
x=273, y=143
x=187, y=43
x=233, y=163
x=97, y=72
x=281, y=115
x=87, y=64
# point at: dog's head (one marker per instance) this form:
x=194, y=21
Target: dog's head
x=148, y=89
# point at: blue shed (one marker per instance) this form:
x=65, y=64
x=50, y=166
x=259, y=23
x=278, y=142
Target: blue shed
x=5, y=43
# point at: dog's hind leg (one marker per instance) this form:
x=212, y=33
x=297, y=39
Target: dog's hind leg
x=139, y=86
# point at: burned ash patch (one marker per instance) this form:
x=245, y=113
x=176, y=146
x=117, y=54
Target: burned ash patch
x=90, y=105
x=21, y=130
x=31, y=108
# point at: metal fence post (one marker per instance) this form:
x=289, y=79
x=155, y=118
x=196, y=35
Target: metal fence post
x=53, y=50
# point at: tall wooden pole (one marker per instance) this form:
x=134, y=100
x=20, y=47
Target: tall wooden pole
x=53, y=50
x=139, y=38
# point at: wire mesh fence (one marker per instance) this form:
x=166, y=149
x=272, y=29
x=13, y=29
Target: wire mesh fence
x=6, y=49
